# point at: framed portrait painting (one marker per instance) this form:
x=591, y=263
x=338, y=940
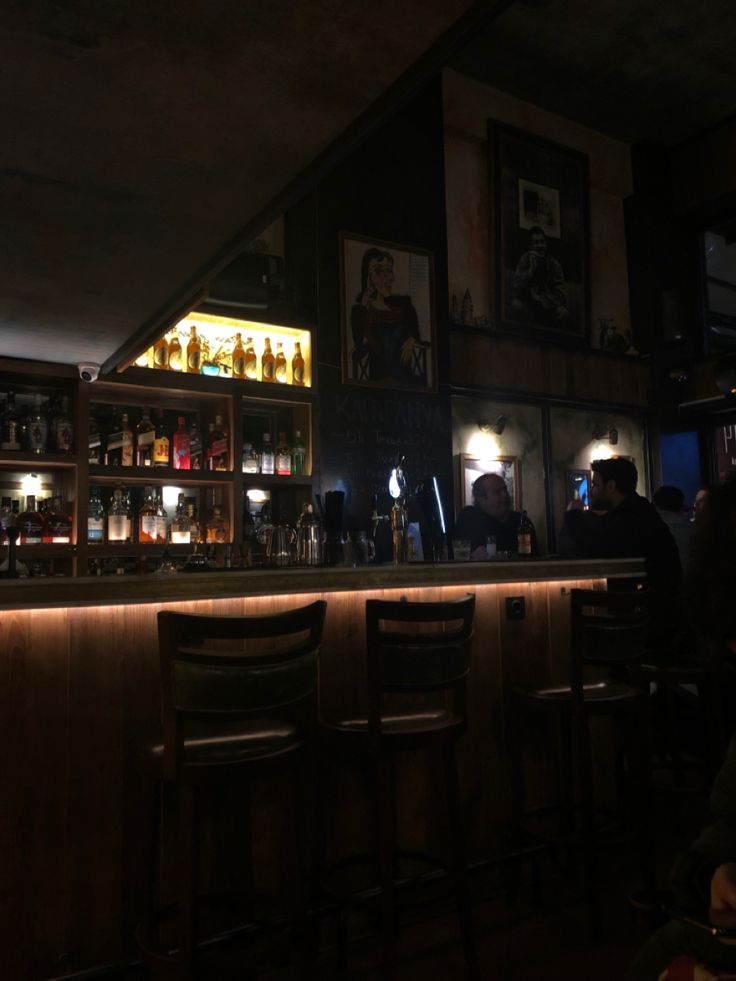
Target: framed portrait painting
x=540, y=237
x=388, y=334
x=472, y=467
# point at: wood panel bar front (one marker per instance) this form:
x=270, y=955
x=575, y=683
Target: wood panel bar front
x=80, y=683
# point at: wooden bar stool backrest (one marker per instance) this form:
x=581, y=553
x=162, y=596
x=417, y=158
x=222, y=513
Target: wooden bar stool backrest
x=417, y=647
x=608, y=629
x=221, y=670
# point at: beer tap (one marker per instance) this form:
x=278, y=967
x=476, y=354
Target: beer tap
x=399, y=516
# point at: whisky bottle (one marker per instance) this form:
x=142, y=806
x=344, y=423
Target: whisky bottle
x=30, y=523
x=161, y=444
x=59, y=523
x=118, y=520
x=279, y=365
x=161, y=354
x=126, y=448
x=238, y=358
x=298, y=455
x=10, y=425
x=524, y=536
x=114, y=454
x=195, y=446
x=267, y=455
x=95, y=518
x=38, y=428
x=282, y=460
x=64, y=428
x=267, y=362
x=194, y=352
x=147, y=528
x=145, y=434
x=195, y=530
x=94, y=441
x=180, y=525
x=251, y=361
x=44, y=510
x=218, y=532
x=161, y=520
x=7, y=518
x=176, y=358
x=297, y=365
x=181, y=457
x=218, y=449
x=250, y=459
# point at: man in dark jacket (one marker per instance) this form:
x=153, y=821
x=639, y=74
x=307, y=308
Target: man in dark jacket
x=491, y=514
x=622, y=524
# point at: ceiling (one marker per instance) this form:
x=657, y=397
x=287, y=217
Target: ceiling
x=142, y=140
x=145, y=143
x=661, y=71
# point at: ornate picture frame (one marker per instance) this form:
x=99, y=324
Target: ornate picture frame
x=472, y=467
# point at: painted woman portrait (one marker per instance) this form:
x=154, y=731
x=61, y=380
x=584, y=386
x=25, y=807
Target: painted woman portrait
x=384, y=326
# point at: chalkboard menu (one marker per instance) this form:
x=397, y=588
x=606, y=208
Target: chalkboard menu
x=363, y=433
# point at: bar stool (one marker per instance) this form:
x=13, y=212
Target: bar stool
x=412, y=649
x=237, y=704
x=608, y=630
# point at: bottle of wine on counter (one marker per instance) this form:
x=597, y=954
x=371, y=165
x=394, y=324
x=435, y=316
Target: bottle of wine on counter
x=195, y=446
x=194, y=352
x=279, y=365
x=238, y=357
x=267, y=362
x=298, y=455
x=31, y=523
x=145, y=435
x=181, y=457
x=180, y=525
x=95, y=518
x=38, y=427
x=218, y=450
x=267, y=455
x=161, y=354
x=524, y=537
x=251, y=361
x=283, y=457
x=118, y=520
x=176, y=358
x=297, y=365
x=161, y=444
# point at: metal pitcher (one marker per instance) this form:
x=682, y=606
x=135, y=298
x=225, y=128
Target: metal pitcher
x=279, y=541
x=309, y=549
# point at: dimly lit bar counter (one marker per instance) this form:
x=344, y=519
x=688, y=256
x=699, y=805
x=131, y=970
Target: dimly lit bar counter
x=81, y=705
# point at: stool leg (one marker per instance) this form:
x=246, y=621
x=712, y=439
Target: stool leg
x=386, y=801
x=590, y=863
x=188, y=878
x=639, y=755
x=459, y=866
x=567, y=791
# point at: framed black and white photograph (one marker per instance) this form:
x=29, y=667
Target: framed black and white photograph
x=539, y=195
x=472, y=467
x=387, y=315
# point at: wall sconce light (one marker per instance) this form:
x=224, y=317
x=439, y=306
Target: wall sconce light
x=496, y=427
x=610, y=434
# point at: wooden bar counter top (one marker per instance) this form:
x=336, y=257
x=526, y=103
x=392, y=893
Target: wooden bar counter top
x=79, y=676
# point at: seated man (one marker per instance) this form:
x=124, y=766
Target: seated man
x=491, y=514
x=670, y=503
x=622, y=524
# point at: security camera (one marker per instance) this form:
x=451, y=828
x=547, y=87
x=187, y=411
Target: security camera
x=88, y=372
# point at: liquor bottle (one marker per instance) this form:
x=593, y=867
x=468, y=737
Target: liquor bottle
x=297, y=365
x=10, y=425
x=64, y=428
x=161, y=354
x=7, y=519
x=282, y=460
x=238, y=358
x=94, y=441
x=161, y=520
x=194, y=353
x=95, y=518
x=251, y=361
x=298, y=455
x=218, y=451
x=126, y=449
x=58, y=523
x=44, y=510
x=218, y=532
x=524, y=536
x=38, y=428
x=195, y=530
x=147, y=525
x=182, y=459
x=176, y=358
x=180, y=525
x=279, y=365
x=195, y=446
x=30, y=523
x=118, y=520
x=250, y=459
x=248, y=547
x=267, y=457
x=267, y=362
x=161, y=444
x=145, y=434
x=114, y=454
